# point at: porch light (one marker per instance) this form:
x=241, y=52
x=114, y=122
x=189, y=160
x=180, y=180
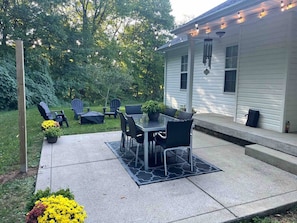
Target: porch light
x=220, y=33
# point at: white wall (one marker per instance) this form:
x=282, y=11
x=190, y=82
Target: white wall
x=208, y=90
x=174, y=96
x=262, y=70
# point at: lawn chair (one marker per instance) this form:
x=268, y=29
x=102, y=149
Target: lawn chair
x=78, y=108
x=47, y=114
x=114, y=106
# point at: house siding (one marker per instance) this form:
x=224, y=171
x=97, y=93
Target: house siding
x=291, y=91
x=266, y=72
x=262, y=71
x=208, y=90
x=174, y=96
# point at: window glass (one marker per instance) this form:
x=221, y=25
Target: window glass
x=184, y=74
x=230, y=68
x=183, y=80
x=230, y=81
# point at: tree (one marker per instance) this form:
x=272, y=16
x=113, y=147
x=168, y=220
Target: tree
x=80, y=41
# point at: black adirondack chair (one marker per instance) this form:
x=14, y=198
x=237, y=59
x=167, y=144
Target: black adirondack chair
x=113, y=108
x=47, y=114
x=78, y=108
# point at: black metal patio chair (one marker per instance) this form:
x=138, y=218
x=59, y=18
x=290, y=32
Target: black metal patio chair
x=178, y=136
x=137, y=135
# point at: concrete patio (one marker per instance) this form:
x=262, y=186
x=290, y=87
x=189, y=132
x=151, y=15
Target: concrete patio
x=246, y=187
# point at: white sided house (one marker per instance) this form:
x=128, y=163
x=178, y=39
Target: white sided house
x=238, y=56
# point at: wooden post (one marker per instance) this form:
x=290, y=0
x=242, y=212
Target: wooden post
x=21, y=105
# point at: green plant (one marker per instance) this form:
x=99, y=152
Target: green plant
x=152, y=106
x=46, y=193
x=53, y=132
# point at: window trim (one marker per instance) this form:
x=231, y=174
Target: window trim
x=226, y=70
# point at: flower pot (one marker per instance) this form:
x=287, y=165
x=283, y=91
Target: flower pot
x=52, y=139
x=154, y=116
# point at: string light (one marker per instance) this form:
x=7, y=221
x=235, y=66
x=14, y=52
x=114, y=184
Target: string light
x=282, y=5
x=261, y=15
x=240, y=17
x=289, y=6
x=239, y=20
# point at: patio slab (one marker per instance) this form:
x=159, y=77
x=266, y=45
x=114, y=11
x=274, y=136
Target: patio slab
x=85, y=164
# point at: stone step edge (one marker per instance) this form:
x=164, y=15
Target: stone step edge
x=273, y=157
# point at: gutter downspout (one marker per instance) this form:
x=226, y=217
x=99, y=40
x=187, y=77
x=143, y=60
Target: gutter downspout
x=191, y=53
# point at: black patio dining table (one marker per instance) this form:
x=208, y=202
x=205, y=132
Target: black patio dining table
x=142, y=121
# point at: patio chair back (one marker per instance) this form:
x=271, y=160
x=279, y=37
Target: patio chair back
x=178, y=133
x=178, y=136
x=77, y=107
x=184, y=115
x=170, y=111
x=115, y=104
x=47, y=114
x=45, y=111
x=123, y=122
x=133, y=109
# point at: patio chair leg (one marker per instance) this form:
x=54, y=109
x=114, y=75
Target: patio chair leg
x=136, y=158
x=165, y=162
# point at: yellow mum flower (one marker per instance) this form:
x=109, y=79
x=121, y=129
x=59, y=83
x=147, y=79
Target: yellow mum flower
x=61, y=209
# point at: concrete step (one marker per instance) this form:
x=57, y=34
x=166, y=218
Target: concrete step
x=273, y=157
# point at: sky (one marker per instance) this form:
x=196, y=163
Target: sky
x=185, y=10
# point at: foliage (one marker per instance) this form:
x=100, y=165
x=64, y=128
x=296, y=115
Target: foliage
x=152, y=106
x=8, y=90
x=53, y=132
x=46, y=193
x=56, y=208
x=64, y=43
x=36, y=211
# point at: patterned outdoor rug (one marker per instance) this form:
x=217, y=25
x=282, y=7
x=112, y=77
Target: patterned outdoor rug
x=178, y=167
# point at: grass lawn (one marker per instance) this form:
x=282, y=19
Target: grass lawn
x=16, y=188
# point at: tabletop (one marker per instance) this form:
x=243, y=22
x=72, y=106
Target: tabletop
x=143, y=122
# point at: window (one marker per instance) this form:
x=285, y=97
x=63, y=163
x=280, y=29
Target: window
x=230, y=68
x=184, y=72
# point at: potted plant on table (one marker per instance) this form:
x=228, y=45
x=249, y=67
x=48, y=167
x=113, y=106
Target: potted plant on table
x=51, y=130
x=153, y=109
